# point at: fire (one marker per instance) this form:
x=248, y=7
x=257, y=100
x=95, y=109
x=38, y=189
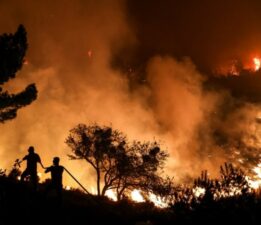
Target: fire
x=136, y=196
x=236, y=66
x=68, y=188
x=111, y=195
x=199, y=191
x=159, y=202
x=257, y=63
x=255, y=182
x=257, y=170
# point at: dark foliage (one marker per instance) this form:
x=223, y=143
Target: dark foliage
x=119, y=165
x=12, y=52
x=20, y=204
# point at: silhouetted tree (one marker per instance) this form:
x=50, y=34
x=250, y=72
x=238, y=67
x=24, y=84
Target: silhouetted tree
x=233, y=180
x=100, y=147
x=12, y=52
x=118, y=164
x=141, y=168
x=15, y=172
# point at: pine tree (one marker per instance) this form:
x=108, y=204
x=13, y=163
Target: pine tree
x=12, y=53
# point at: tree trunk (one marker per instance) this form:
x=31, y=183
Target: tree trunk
x=104, y=190
x=120, y=193
x=98, y=182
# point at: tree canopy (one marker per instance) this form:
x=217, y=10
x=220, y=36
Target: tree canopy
x=13, y=48
x=119, y=165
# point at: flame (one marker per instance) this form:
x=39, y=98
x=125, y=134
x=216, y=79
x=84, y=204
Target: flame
x=199, y=191
x=235, y=67
x=255, y=182
x=111, y=195
x=68, y=188
x=257, y=63
x=158, y=201
x=136, y=196
x=257, y=170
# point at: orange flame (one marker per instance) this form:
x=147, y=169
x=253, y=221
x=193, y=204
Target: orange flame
x=136, y=196
x=257, y=63
x=111, y=195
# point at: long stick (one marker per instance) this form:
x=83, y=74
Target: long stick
x=77, y=181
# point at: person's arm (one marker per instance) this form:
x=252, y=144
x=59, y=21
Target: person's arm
x=20, y=161
x=42, y=164
x=39, y=160
x=47, y=170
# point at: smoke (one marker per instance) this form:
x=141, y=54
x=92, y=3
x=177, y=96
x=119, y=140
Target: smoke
x=71, y=47
x=183, y=110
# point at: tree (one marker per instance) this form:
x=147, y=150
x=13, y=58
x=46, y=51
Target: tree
x=100, y=147
x=141, y=168
x=12, y=52
x=119, y=165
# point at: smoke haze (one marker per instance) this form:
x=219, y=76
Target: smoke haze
x=71, y=47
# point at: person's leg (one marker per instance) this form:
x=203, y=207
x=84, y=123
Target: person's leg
x=48, y=188
x=34, y=179
x=59, y=190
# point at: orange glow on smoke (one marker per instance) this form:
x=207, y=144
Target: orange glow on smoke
x=90, y=53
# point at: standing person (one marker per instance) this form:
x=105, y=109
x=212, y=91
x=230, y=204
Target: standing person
x=32, y=159
x=56, y=178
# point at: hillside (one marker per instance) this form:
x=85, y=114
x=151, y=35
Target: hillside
x=20, y=205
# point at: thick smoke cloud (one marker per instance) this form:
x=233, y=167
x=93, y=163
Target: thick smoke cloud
x=183, y=110
x=72, y=45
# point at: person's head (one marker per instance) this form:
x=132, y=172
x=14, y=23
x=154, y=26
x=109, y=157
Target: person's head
x=56, y=161
x=31, y=150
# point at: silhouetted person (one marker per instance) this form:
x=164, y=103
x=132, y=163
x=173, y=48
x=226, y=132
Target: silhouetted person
x=31, y=169
x=56, y=178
